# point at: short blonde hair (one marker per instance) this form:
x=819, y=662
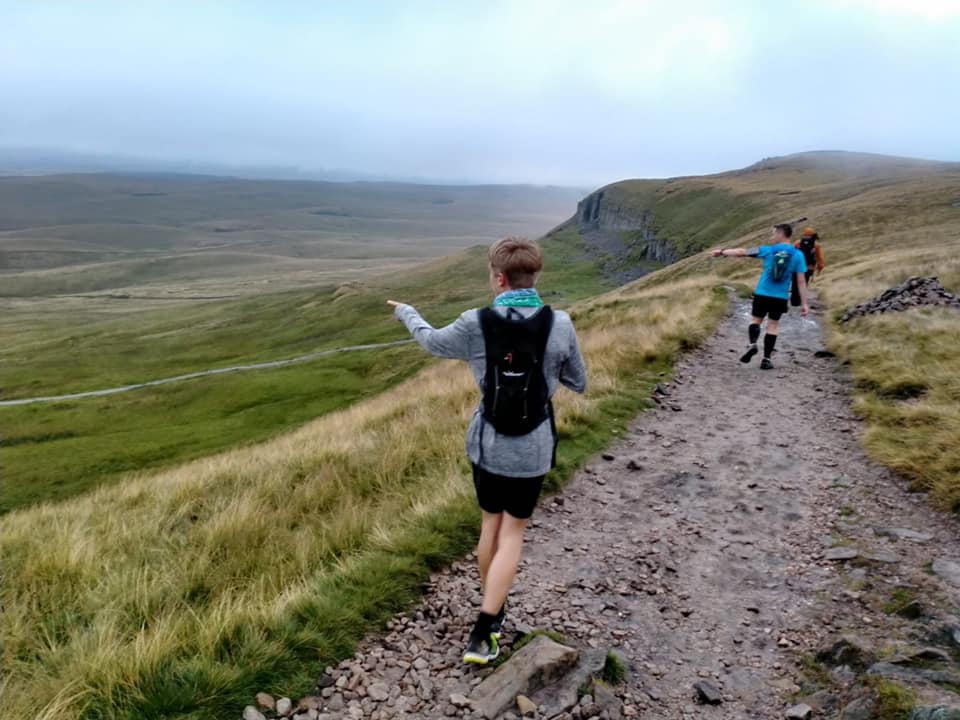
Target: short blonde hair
x=518, y=258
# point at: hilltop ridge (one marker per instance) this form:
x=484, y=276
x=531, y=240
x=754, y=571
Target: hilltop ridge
x=636, y=226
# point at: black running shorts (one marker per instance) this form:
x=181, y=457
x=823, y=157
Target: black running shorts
x=764, y=305
x=516, y=496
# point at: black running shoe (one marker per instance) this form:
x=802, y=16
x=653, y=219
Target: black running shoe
x=765, y=364
x=496, y=627
x=481, y=650
x=748, y=355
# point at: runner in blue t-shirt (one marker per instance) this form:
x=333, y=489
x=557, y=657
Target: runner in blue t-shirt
x=782, y=262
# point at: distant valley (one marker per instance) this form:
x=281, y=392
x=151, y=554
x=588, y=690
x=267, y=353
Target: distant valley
x=182, y=236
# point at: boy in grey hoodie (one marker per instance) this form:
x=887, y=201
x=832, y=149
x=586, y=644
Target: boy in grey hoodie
x=511, y=455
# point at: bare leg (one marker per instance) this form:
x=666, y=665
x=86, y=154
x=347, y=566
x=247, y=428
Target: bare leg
x=503, y=566
x=773, y=326
x=487, y=545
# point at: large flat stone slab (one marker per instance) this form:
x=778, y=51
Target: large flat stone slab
x=840, y=554
x=898, y=672
x=563, y=694
x=538, y=663
x=948, y=569
x=935, y=712
x=904, y=534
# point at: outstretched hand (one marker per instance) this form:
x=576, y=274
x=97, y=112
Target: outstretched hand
x=717, y=253
x=804, y=311
x=394, y=303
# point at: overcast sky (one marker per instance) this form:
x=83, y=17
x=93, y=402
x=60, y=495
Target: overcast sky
x=544, y=91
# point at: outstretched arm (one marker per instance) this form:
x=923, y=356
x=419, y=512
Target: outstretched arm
x=735, y=252
x=452, y=341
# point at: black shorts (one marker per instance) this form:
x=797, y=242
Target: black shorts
x=514, y=495
x=795, y=298
x=764, y=305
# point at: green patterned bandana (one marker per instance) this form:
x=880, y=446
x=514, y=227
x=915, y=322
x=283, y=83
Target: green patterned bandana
x=524, y=297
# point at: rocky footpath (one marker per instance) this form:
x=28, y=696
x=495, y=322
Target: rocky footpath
x=734, y=548
x=915, y=292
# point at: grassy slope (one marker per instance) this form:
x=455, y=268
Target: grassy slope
x=107, y=350
x=54, y=451
x=176, y=228
x=192, y=595
x=691, y=214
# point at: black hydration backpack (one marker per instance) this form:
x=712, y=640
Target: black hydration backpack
x=808, y=246
x=515, y=397
x=781, y=265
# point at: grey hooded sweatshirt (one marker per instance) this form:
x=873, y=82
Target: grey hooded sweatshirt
x=528, y=455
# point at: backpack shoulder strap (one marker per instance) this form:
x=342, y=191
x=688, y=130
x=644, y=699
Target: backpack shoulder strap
x=490, y=323
x=544, y=326
x=488, y=319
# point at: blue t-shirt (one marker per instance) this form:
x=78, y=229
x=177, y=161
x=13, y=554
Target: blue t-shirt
x=767, y=285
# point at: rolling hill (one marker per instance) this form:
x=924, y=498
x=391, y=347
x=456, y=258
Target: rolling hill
x=180, y=592
x=111, y=279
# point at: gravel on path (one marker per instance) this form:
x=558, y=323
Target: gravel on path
x=697, y=547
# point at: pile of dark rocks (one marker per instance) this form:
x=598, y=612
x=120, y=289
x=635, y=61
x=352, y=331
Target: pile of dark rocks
x=915, y=292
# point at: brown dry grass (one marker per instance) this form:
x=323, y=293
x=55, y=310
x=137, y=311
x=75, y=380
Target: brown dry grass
x=202, y=571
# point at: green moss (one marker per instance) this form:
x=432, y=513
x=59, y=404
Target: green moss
x=894, y=702
x=814, y=672
x=899, y=599
x=614, y=670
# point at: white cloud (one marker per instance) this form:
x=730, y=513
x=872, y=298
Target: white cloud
x=627, y=48
x=926, y=9
x=507, y=89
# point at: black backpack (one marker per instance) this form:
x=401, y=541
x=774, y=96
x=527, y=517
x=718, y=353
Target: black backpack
x=515, y=397
x=808, y=246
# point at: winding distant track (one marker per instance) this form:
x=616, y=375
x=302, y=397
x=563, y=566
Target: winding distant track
x=200, y=373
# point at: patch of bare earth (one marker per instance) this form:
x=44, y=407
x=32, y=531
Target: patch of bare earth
x=734, y=531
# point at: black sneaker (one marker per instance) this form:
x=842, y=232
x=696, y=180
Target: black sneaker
x=496, y=627
x=748, y=355
x=480, y=650
x=765, y=364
